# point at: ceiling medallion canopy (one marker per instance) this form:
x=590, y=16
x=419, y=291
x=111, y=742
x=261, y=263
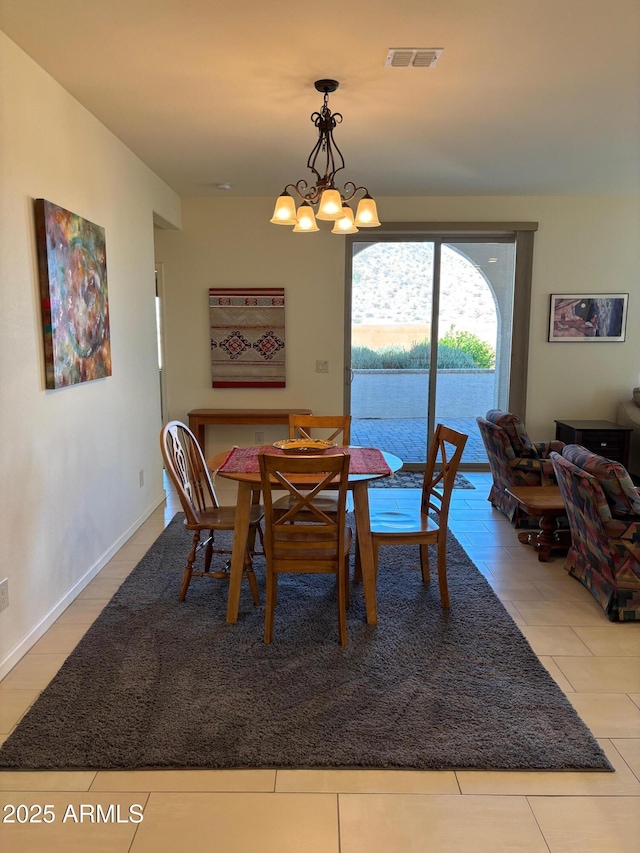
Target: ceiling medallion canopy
x=333, y=204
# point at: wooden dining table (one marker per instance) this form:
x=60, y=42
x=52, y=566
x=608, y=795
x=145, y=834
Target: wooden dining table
x=249, y=489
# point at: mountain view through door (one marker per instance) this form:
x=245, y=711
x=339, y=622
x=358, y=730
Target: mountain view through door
x=430, y=340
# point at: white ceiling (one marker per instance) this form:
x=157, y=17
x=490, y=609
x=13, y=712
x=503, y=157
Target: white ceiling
x=529, y=96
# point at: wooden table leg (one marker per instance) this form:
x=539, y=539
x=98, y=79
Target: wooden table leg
x=197, y=428
x=363, y=532
x=256, y=493
x=545, y=539
x=240, y=534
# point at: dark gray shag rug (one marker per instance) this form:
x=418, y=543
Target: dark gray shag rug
x=413, y=480
x=156, y=683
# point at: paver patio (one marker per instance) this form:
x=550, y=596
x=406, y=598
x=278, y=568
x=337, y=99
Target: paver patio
x=407, y=437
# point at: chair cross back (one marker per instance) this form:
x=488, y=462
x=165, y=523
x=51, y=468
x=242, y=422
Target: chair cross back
x=438, y=484
x=413, y=525
x=303, y=502
x=300, y=426
x=303, y=537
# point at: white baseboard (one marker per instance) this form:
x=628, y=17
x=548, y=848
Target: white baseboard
x=39, y=630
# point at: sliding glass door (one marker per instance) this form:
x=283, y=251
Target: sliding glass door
x=430, y=320
x=391, y=332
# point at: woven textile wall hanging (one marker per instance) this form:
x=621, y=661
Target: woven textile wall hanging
x=247, y=337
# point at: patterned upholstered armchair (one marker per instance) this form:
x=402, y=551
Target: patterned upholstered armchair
x=515, y=460
x=603, y=508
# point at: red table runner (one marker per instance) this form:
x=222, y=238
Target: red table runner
x=364, y=460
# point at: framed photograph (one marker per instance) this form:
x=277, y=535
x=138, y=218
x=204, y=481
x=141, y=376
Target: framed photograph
x=588, y=317
x=72, y=266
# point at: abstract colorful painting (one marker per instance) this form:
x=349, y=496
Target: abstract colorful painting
x=72, y=266
x=247, y=337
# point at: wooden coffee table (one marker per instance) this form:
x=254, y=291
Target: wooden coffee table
x=546, y=502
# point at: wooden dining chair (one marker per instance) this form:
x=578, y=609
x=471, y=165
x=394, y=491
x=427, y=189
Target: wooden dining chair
x=424, y=523
x=305, y=539
x=188, y=472
x=334, y=428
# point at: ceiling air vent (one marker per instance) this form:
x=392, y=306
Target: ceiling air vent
x=413, y=57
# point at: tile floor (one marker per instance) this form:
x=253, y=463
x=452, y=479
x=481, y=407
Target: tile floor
x=595, y=662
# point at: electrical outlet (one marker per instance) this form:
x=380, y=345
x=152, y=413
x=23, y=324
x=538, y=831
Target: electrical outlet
x=259, y=437
x=141, y=477
x=322, y=366
x=4, y=593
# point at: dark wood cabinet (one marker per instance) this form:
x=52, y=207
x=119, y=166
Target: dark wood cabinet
x=602, y=437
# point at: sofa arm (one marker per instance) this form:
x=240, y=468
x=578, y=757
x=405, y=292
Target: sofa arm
x=627, y=529
x=624, y=541
x=544, y=448
x=543, y=467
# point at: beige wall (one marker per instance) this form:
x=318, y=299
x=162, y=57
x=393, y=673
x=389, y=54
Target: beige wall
x=70, y=458
x=226, y=242
x=582, y=245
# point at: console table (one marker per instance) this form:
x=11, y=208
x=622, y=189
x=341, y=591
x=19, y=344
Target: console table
x=602, y=437
x=200, y=418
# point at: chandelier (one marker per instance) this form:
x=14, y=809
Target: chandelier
x=333, y=204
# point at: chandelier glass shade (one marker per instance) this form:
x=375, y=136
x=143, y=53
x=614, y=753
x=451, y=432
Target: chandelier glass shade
x=346, y=224
x=325, y=161
x=305, y=218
